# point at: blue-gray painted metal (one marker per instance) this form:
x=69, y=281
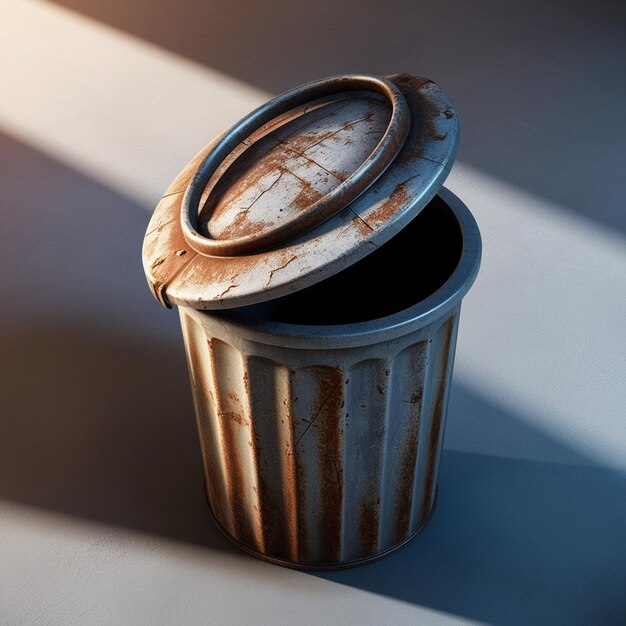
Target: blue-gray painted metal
x=321, y=444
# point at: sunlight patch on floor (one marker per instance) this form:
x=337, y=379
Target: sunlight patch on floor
x=122, y=111
x=115, y=575
x=542, y=330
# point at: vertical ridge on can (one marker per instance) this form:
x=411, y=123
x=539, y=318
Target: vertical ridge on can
x=412, y=361
x=365, y=425
x=446, y=336
x=321, y=457
x=227, y=367
x=208, y=424
x=270, y=404
x=318, y=400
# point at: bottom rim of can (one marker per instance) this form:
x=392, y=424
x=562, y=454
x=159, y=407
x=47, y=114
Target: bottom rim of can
x=308, y=566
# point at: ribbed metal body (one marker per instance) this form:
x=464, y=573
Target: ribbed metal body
x=319, y=456
x=321, y=418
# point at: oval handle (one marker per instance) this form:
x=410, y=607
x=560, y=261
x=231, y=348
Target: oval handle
x=338, y=198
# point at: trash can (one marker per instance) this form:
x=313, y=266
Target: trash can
x=319, y=266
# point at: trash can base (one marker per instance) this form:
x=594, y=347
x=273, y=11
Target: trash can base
x=321, y=566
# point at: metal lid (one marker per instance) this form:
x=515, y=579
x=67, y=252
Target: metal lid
x=304, y=186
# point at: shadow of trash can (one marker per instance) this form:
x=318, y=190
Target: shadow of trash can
x=318, y=266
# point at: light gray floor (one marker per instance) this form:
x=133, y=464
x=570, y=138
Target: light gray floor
x=103, y=515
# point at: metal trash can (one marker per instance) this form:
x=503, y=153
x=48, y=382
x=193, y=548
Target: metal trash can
x=320, y=387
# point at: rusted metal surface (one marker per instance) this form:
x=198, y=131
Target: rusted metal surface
x=329, y=459
x=321, y=209
x=434, y=439
x=277, y=173
x=320, y=443
x=326, y=456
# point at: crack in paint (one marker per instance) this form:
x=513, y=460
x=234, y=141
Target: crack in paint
x=344, y=127
x=269, y=280
x=406, y=153
x=361, y=219
x=161, y=226
x=172, y=193
x=319, y=410
x=309, y=159
x=232, y=286
x=246, y=209
x=304, y=112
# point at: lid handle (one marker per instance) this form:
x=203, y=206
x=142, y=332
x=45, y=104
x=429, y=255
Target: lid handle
x=327, y=206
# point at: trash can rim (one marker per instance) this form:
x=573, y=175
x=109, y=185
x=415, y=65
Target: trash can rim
x=435, y=306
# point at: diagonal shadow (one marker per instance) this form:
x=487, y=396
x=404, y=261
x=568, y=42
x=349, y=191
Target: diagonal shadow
x=100, y=426
x=512, y=541
x=534, y=81
x=96, y=416
x=97, y=423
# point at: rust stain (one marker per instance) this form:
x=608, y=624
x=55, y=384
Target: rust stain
x=326, y=422
x=331, y=464
x=161, y=249
x=240, y=223
x=273, y=522
x=244, y=174
x=407, y=83
x=435, y=427
x=276, y=533
x=339, y=176
x=295, y=530
x=302, y=525
x=416, y=396
x=302, y=142
x=369, y=516
x=390, y=206
x=408, y=468
x=321, y=401
x=292, y=121
x=233, y=416
x=405, y=485
x=242, y=528
x=255, y=444
x=423, y=115
x=361, y=225
x=200, y=396
x=306, y=196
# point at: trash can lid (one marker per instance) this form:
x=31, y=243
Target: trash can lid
x=301, y=188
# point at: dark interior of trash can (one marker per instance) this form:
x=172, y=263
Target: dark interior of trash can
x=402, y=272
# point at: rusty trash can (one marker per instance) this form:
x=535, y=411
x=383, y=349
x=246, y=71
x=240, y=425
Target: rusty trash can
x=318, y=267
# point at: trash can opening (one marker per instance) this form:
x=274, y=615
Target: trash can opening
x=419, y=260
